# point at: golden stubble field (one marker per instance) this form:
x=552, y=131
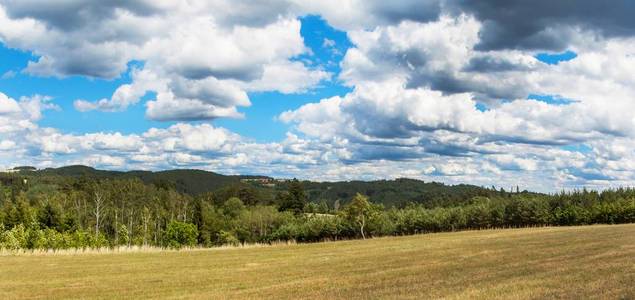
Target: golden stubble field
x=533, y=263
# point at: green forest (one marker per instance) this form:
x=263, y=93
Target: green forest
x=80, y=207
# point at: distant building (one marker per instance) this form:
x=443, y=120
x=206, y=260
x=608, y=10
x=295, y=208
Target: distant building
x=257, y=180
x=264, y=181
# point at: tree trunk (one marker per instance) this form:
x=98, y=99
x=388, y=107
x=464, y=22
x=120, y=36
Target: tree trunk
x=130, y=223
x=116, y=229
x=361, y=227
x=98, y=203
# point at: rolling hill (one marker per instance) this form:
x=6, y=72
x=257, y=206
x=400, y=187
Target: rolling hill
x=188, y=181
x=397, y=192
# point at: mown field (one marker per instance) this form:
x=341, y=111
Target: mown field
x=563, y=262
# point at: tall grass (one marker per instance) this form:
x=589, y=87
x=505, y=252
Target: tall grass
x=132, y=249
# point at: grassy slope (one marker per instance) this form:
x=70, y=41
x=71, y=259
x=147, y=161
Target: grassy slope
x=566, y=262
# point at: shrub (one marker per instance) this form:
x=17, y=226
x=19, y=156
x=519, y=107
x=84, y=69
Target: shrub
x=97, y=240
x=122, y=234
x=55, y=239
x=14, y=239
x=79, y=240
x=285, y=232
x=227, y=238
x=179, y=234
x=36, y=239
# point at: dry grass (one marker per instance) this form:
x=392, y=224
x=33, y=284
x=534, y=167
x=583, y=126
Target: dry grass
x=127, y=250
x=566, y=262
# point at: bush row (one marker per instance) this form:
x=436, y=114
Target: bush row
x=234, y=223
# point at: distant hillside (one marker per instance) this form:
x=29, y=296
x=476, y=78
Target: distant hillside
x=396, y=193
x=192, y=182
x=78, y=171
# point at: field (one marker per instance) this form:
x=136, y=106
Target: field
x=564, y=262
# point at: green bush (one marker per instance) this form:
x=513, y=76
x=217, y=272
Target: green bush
x=122, y=234
x=286, y=232
x=97, y=240
x=16, y=238
x=227, y=238
x=180, y=234
x=36, y=239
x=79, y=240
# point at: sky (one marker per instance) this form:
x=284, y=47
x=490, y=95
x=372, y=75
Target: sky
x=539, y=94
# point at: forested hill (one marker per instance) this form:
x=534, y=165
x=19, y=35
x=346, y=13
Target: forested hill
x=396, y=193
x=79, y=207
x=191, y=182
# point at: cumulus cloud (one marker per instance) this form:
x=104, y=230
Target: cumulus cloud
x=388, y=112
x=439, y=89
x=8, y=106
x=334, y=157
x=359, y=14
x=22, y=114
x=180, y=145
x=202, y=56
x=417, y=87
x=545, y=25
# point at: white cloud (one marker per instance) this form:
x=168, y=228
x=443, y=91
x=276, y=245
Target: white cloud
x=201, y=62
x=166, y=108
x=288, y=78
x=368, y=14
x=416, y=86
x=20, y=115
x=7, y=145
x=8, y=105
x=328, y=43
x=8, y=74
x=417, y=71
x=127, y=94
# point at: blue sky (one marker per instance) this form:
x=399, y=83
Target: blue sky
x=555, y=58
x=66, y=90
x=330, y=90
x=259, y=123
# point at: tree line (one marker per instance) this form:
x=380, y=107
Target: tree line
x=39, y=213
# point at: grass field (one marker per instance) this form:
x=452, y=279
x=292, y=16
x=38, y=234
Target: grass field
x=565, y=262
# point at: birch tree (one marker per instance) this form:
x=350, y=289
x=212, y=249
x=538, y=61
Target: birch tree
x=360, y=211
x=99, y=202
